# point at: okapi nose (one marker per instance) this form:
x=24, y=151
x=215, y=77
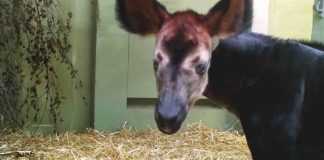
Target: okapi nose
x=167, y=123
x=169, y=117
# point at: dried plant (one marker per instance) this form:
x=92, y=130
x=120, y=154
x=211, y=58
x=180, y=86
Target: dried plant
x=34, y=39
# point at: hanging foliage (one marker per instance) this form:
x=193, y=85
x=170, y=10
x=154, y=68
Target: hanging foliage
x=34, y=38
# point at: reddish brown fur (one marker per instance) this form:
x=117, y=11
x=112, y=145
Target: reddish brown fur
x=182, y=40
x=182, y=32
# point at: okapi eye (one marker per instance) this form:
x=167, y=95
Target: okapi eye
x=155, y=65
x=201, y=69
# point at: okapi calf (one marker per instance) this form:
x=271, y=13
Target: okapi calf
x=275, y=87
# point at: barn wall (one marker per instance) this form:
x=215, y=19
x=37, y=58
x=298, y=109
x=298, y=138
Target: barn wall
x=78, y=114
x=318, y=28
x=291, y=18
x=261, y=16
x=75, y=112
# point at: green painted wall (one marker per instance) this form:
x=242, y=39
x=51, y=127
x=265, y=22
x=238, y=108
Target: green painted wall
x=291, y=18
x=76, y=113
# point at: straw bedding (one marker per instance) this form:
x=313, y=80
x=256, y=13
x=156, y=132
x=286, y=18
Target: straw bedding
x=195, y=142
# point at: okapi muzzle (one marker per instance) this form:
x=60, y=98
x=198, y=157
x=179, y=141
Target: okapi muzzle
x=171, y=109
x=179, y=85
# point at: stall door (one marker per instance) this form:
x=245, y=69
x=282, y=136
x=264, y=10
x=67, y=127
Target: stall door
x=318, y=28
x=125, y=85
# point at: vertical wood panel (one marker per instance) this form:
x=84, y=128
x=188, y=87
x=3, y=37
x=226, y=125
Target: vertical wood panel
x=111, y=69
x=318, y=28
x=141, y=81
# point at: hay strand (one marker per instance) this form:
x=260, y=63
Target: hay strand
x=195, y=142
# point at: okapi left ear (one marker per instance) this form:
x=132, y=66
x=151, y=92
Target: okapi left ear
x=225, y=18
x=141, y=16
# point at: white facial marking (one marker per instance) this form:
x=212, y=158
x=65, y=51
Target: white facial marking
x=199, y=83
x=159, y=50
x=204, y=56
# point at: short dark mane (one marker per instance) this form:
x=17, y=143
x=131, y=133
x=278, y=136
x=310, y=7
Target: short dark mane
x=313, y=44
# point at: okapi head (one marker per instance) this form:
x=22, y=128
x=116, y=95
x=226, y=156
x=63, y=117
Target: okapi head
x=184, y=44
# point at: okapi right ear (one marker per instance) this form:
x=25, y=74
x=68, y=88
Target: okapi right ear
x=141, y=16
x=226, y=18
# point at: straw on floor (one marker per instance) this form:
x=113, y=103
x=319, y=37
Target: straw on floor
x=195, y=142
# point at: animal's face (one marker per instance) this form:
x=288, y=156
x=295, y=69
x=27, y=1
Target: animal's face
x=183, y=50
x=181, y=61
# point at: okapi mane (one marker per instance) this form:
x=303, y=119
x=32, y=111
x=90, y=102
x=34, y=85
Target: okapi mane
x=313, y=44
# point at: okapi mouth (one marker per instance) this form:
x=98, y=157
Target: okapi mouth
x=170, y=118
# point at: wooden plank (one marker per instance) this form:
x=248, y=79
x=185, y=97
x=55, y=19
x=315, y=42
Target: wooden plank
x=318, y=28
x=141, y=80
x=111, y=70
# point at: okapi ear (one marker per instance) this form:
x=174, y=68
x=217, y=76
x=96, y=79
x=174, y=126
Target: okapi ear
x=141, y=16
x=225, y=18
